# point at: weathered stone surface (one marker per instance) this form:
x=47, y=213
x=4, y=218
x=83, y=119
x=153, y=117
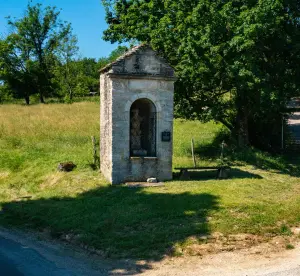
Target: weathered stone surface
x=140, y=60
x=152, y=180
x=140, y=74
x=144, y=184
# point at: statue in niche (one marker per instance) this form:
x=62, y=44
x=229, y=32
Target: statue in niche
x=136, y=134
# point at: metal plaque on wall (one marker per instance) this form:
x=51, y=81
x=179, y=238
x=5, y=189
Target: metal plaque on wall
x=166, y=136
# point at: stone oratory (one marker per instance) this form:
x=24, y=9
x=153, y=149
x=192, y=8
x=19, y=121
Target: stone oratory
x=136, y=117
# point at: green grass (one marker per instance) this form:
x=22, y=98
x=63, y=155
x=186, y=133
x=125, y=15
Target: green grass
x=262, y=197
x=289, y=246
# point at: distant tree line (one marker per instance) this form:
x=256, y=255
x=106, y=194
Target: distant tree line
x=40, y=58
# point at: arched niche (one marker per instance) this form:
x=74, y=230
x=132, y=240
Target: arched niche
x=143, y=128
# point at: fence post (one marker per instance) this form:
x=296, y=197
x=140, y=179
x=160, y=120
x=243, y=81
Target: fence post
x=94, y=151
x=282, y=132
x=194, y=159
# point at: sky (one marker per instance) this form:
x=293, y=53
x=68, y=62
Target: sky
x=86, y=16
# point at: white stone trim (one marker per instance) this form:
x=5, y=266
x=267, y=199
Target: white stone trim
x=142, y=96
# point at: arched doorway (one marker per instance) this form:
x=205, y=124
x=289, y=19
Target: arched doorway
x=143, y=128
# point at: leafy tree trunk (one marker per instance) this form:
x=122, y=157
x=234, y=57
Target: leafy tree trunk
x=242, y=127
x=70, y=93
x=42, y=98
x=27, y=99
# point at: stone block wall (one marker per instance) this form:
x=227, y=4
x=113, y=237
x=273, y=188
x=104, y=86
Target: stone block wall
x=125, y=92
x=106, y=127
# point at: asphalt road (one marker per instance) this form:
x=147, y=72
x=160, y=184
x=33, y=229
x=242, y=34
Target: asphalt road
x=17, y=260
x=27, y=255
x=7, y=267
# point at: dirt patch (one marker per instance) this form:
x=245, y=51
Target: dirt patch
x=217, y=242
x=234, y=258
x=52, y=180
x=3, y=175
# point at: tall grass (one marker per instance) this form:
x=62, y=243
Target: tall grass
x=34, y=139
x=38, y=137
x=202, y=134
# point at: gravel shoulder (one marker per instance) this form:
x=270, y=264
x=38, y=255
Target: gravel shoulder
x=244, y=262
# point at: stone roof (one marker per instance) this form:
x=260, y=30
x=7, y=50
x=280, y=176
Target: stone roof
x=129, y=53
x=118, y=65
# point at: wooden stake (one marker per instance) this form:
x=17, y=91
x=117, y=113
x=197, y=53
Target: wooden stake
x=94, y=151
x=194, y=159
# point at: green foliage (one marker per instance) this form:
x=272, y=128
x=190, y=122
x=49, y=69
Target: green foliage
x=285, y=230
x=5, y=95
x=76, y=77
x=40, y=57
x=15, y=70
x=289, y=246
x=236, y=61
x=116, y=53
x=28, y=53
x=65, y=72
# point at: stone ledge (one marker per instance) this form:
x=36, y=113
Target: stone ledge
x=143, y=184
x=142, y=158
x=141, y=76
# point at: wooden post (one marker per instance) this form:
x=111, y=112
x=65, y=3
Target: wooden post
x=222, y=152
x=282, y=132
x=194, y=159
x=94, y=151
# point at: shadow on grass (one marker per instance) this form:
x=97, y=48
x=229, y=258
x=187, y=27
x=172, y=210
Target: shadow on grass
x=285, y=163
x=212, y=174
x=119, y=221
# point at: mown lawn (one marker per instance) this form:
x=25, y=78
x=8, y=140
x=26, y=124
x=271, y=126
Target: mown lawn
x=262, y=197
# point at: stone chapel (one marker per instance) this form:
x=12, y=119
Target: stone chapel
x=136, y=117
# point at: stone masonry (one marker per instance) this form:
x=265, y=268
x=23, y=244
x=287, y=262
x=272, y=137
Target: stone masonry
x=138, y=74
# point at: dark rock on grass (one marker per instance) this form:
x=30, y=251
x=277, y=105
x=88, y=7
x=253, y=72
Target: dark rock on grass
x=66, y=166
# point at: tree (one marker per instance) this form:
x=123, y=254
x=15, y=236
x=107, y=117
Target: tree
x=90, y=71
x=76, y=76
x=236, y=61
x=65, y=70
x=117, y=53
x=5, y=94
x=16, y=70
x=32, y=47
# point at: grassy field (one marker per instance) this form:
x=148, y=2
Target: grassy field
x=262, y=197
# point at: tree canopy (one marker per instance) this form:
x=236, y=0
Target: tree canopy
x=237, y=61
x=40, y=57
x=27, y=55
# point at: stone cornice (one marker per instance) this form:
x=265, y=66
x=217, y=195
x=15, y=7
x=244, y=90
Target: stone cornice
x=141, y=76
